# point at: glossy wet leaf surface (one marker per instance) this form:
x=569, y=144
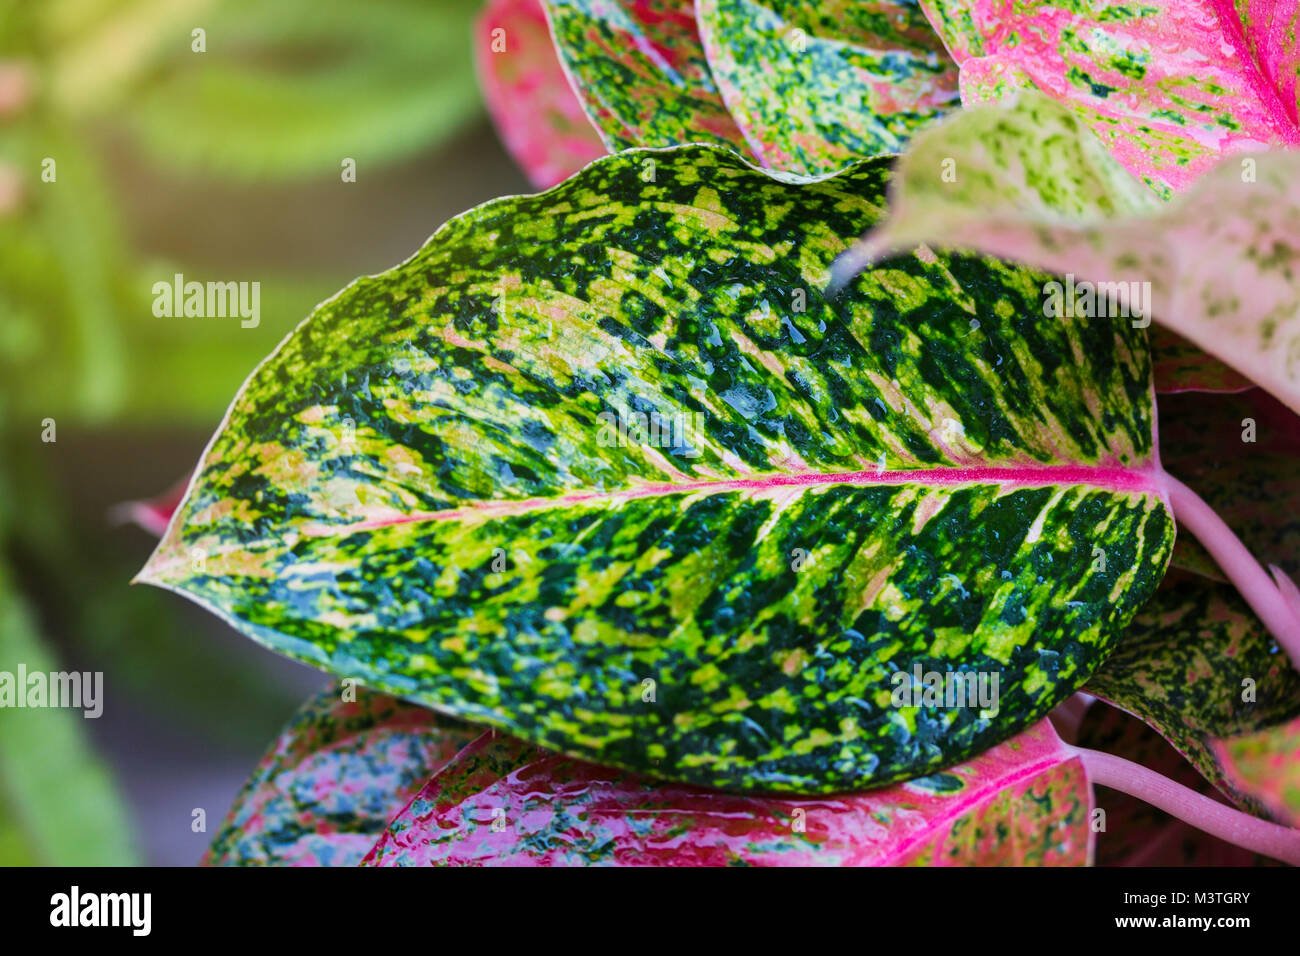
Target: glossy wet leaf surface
x=502, y=802
x=332, y=781
x=602, y=468
x=815, y=87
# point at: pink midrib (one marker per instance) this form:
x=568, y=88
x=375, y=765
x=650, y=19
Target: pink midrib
x=1109, y=478
x=1281, y=108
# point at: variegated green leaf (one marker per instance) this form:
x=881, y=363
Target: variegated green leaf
x=1167, y=85
x=502, y=802
x=815, y=87
x=338, y=773
x=1199, y=667
x=602, y=467
x=1219, y=264
x=1239, y=453
x=639, y=68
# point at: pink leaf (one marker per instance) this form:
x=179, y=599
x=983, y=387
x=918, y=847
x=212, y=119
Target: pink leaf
x=1265, y=764
x=333, y=779
x=536, y=113
x=153, y=514
x=503, y=802
x=1168, y=86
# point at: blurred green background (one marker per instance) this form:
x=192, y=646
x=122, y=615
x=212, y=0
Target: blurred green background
x=223, y=165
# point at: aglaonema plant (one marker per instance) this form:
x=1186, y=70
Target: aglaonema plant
x=1197, y=664
x=341, y=787
x=604, y=469
x=540, y=121
x=669, y=555
x=805, y=91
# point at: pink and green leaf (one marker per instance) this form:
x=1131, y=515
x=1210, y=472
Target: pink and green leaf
x=332, y=781
x=503, y=802
x=815, y=87
x=439, y=484
x=639, y=69
x=1199, y=667
x=1221, y=261
x=536, y=113
x=1168, y=86
x=1263, y=764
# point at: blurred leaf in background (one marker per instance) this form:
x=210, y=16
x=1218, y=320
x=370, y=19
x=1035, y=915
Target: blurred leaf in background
x=108, y=113
x=282, y=92
x=291, y=87
x=58, y=804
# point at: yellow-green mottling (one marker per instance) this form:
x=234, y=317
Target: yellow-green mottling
x=639, y=70
x=417, y=489
x=816, y=87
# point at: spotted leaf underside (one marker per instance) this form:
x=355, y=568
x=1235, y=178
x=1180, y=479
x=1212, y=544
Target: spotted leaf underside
x=332, y=781
x=536, y=114
x=1168, y=86
x=1135, y=832
x=1241, y=454
x=503, y=802
x=601, y=467
x=815, y=87
x=639, y=69
x=1200, y=668
x=1179, y=366
x=1219, y=264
